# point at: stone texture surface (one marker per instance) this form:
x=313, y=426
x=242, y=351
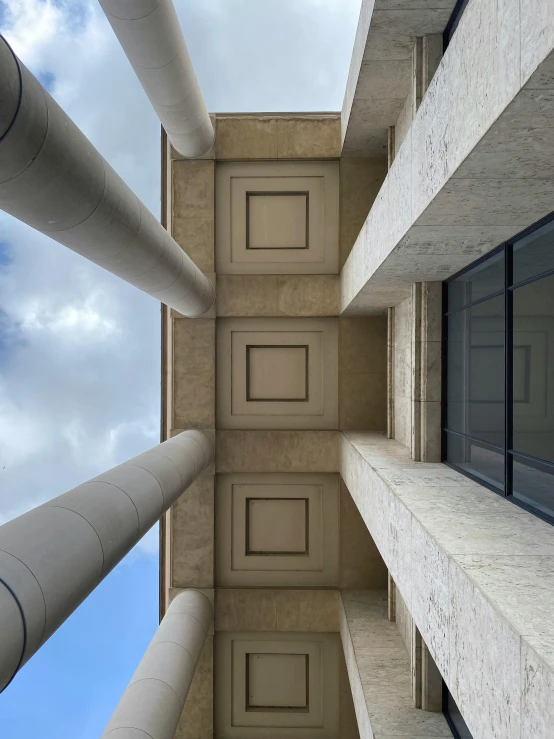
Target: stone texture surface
x=193, y=210
x=278, y=137
x=363, y=373
x=361, y=565
x=277, y=295
x=196, y=720
x=259, y=609
x=277, y=451
x=403, y=320
x=192, y=538
x=380, y=73
x=457, y=194
x=360, y=181
x=380, y=673
x=475, y=572
x=348, y=726
x=193, y=373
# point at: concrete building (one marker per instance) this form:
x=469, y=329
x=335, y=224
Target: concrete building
x=373, y=538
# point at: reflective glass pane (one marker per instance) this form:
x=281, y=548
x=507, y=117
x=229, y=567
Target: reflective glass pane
x=477, y=459
x=533, y=405
x=475, y=371
x=533, y=484
x=457, y=719
x=534, y=254
x=484, y=279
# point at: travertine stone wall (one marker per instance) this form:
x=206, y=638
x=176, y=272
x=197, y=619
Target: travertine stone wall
x=277, y=295
x=361, y=565
x=363, y=373
x=360, y=181
x=403, y=320
x=277, y=137
x=415, y=356
x=426, y=55
x=193, y=210
x=404, y=621
x=261, y=450
x=188, y=396
x=268, y=296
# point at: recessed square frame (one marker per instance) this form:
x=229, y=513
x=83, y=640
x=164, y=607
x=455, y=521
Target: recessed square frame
x=235, y=339
x=237, y=181
x=233, y=720
x=296, y=202
x=236, y=568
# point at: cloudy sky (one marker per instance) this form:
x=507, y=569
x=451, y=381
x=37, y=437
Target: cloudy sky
x=79, y=350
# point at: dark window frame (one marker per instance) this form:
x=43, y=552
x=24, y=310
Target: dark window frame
x=453, y=22
x=446, y=711
x=506, y=248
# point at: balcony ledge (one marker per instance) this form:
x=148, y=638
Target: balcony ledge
x=477, y=574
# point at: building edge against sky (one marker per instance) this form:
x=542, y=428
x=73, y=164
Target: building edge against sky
x=375, y=531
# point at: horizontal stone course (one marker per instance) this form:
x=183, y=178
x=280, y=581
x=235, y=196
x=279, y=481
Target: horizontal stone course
x=476, y=574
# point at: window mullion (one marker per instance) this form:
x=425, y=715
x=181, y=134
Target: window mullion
x=509, y=370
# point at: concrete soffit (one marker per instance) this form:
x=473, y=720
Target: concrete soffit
x=380, y=73
x=476, y=165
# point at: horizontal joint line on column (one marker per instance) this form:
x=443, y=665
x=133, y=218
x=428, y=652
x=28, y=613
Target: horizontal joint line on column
x=191, y=616
x=178, y=470
x=135, y=728
x=131, y=19
x=39, y=587
x=93, y=211
x=89, y=523
x=24, y=623
x=139, y=467
x=157, y=680
x=20, y=97
x=170, y=641
x=113, y=485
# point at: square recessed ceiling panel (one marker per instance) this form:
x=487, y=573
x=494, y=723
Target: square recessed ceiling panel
x=277, y=373
x=271, y=685
x=277, y=217
x=277, y=530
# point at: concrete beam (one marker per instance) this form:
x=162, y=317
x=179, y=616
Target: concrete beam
x=475, y=572
x=54, y=180
x=476, y=165
x=154, y=699
x=53, y=557
x=151, y=37
x=379, y=672
x=380, y=75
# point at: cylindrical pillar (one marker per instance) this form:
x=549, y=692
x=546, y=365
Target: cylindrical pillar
x=53, y=557
x=53, y=179
x=151, y=37
x=154, y=699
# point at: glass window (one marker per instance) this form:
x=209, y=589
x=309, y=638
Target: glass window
x=486, y=278
x=453, y=22
x=534, y=254
x=454, y=717
x=476, y=459
x=475, y=387
x=533, y=395
x=533, y=485
x=500, y=397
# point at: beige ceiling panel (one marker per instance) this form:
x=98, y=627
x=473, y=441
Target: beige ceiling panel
x=277, y=373
x=277, y=217
x=277, y=530
x=276, y=685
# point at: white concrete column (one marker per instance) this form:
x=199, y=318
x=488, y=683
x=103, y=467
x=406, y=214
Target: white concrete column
x=154, y=699
x=53, y=179
x=151, y=37
x=53, y=557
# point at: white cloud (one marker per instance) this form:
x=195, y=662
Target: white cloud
x=79, y=349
